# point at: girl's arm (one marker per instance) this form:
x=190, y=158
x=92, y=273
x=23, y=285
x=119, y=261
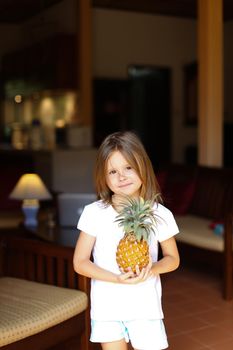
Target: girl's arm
x=170, y=260
x=84, y=266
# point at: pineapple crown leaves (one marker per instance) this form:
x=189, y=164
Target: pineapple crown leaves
x=137, y=217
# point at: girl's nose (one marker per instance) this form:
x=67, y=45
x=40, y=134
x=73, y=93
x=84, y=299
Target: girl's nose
x=121, y=175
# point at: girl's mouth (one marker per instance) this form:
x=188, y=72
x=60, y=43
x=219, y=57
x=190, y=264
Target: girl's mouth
x=124, y=185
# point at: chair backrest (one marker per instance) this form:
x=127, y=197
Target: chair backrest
x=213, y=196
x=42, y=262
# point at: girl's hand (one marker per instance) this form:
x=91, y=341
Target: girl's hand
x=132, y=278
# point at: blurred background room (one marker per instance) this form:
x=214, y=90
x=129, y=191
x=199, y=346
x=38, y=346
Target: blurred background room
x=73, y=71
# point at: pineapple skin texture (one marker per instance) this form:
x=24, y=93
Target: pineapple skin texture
x=131, y=253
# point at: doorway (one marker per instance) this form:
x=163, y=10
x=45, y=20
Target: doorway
x=140, y=103
x=149, y=109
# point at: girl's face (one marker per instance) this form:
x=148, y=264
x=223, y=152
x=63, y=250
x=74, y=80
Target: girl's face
x=121, y=178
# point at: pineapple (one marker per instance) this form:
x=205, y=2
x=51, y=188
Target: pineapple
x=137, y=219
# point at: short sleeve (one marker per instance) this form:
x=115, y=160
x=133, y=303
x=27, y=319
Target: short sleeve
x=166, y=225
x=88, y=220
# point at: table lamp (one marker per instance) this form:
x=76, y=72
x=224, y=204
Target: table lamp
x=30, y=188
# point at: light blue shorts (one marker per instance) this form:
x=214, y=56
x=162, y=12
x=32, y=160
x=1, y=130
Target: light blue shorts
x=143, y=334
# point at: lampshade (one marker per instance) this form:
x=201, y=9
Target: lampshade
x=30, y=186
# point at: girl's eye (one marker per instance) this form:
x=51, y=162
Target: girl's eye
x=128, y=167
x=112, y=172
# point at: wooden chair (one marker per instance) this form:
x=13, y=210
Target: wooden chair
x=46, y=263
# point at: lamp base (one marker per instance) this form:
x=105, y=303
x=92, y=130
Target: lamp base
x=30, y=214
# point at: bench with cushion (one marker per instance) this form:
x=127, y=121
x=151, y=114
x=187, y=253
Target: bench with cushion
x=44, y=303
x=201, y=198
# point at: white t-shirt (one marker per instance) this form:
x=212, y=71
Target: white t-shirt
x=113, y=301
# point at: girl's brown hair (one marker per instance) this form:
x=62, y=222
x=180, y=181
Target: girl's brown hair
x=134, y=152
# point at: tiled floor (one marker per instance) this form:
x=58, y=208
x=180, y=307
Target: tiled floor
x=196, y=316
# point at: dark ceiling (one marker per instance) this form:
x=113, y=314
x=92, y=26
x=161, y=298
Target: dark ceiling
x=16, y=11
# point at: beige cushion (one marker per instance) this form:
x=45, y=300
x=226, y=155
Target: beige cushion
x=195, y=231
x=27, y=308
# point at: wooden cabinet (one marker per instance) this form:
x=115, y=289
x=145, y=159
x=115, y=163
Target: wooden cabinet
x=47, y=65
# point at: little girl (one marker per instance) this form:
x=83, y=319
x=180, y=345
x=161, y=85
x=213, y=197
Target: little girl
x=124, y=306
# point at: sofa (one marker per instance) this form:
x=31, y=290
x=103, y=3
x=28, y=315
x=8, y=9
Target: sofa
x=44, y=303
x=201, y=198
